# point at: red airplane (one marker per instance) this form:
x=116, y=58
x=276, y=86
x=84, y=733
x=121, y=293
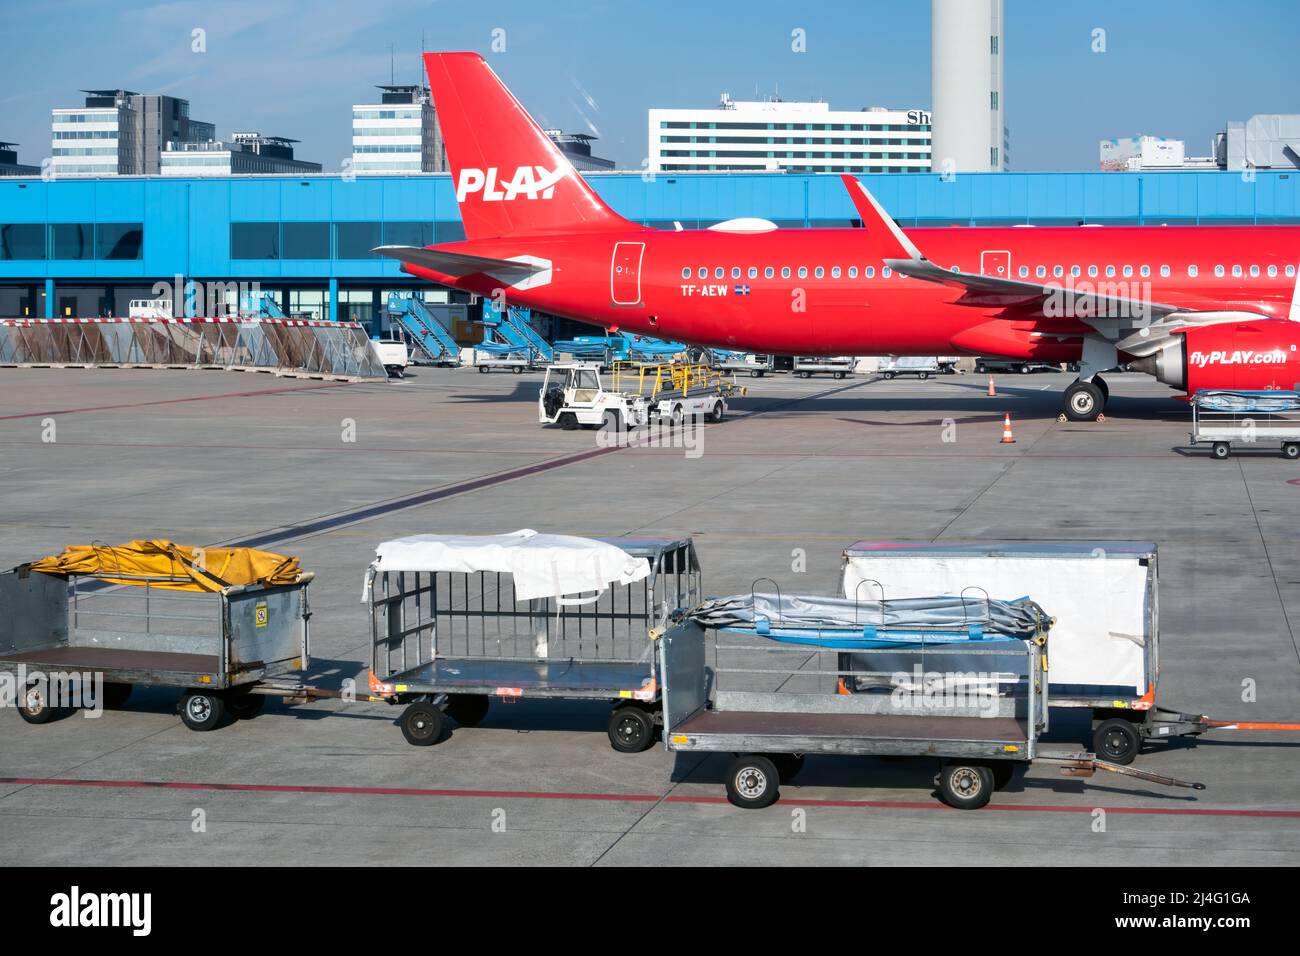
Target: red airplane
x=1196, y=306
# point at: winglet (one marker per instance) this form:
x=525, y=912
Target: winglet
x=890, y=240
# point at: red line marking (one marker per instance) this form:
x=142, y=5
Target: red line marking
x=621, y=797
x=177, y=401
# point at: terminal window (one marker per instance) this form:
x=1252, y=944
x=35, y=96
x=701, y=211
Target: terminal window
x=72, y=240
x=305, y=240
x=22, y=240
x=254, y=240
x=119, y=240
x=354, y=240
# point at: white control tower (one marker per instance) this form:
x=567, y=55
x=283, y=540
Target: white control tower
x=966, y=51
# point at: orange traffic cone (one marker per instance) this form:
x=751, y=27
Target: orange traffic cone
x=1007, y=437
x=993, y=392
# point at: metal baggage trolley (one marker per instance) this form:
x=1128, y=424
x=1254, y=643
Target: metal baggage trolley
x=1222, y=418
x=445, y=641
x=77, y=641
x=978, y=707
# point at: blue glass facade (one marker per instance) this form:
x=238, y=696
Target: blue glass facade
x=314, y=232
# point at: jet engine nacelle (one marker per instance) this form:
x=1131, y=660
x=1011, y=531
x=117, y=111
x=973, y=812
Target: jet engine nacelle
x=1263, y=354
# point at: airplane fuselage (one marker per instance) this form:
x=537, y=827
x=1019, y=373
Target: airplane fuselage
x=821, y=292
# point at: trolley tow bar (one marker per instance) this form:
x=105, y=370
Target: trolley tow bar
x=304, y=694
x=1085, y=765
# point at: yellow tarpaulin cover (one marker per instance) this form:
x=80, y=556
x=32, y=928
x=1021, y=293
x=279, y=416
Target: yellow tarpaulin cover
x=173, y=567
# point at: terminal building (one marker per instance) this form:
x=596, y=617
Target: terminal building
x=9, y=165
x=246, y=154
x=776, y=136
x=121, y=133
x=86, y=247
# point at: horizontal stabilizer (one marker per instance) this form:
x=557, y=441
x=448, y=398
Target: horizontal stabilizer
x=458, y=264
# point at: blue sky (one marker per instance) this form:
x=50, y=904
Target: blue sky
x=1172, y=67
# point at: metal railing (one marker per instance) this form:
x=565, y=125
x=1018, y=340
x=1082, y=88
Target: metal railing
x=291, y=347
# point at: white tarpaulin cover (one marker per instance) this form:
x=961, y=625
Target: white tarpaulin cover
x=543, y=565
x=1099, y=598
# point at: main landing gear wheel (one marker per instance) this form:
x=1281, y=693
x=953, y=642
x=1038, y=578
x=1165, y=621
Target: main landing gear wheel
x=1084, y=401
x=753, y=782
x=1117, y=741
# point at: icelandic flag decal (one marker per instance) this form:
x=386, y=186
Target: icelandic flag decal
x=741, y=290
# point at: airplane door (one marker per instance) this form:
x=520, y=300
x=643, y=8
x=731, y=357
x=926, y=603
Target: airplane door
x=625, y=273
x=996, y=263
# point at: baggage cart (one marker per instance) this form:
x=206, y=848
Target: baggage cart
x=450, y=631
x=1223, y=418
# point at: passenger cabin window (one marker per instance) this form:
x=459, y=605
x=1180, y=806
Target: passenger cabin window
x=686, y=273
x=1128, y=272
x=1074, y=271
x=819, y=272
x=886, y=272
x=1272, y=272
x=704, y=272
x=753, y=272
x=1041, y=272
x=853, y=272
x=1092, y=272
x=870, y=271
x=1236, y=272
x=1191, y=271
x=1164, y=272
x=735, y=272
x=803, y=272
x=1110, y=272
x=719, y=273
x=785, y=272
x=1145, y=271
x=835, y=272
x=1290, y=271
x=1058, y=271
x=1254, y=272
x=769, y=272
x=1024, y=272
x=1218, y=271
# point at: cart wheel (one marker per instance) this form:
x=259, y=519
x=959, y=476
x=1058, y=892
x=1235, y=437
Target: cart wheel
x=805, y=374
x=34, y=707
x=677, y=416
x=482, y=369
x=422, y=724
x=631, y=730
x=1117, y=741
x=202, y=709
x=719, y=412
x=115, y=695
x=888, y=376
x=569, y=421
x=245, y=706
x=468, y=710
x=1291, y=450
x=923, y=375
x=1003, y=771
x=755, y=373
x=787, y=765
x=1221, y=450
x=839, y=375
x=518, y=370
x=965, y=786
x=753, y=782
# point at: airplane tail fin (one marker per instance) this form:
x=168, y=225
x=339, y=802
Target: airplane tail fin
x=510, y=179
